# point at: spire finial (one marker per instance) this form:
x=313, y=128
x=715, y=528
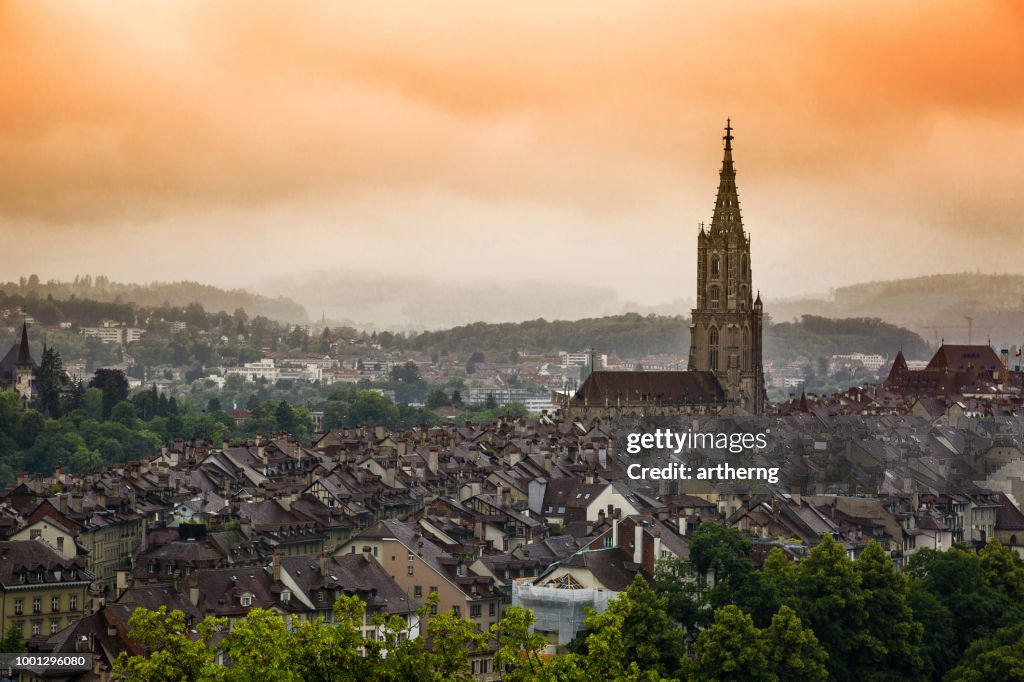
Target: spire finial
x=728, y=133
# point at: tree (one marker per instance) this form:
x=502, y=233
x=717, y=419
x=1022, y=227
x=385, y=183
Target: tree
x=793, y=651
x=171, y=654
x=891, y=640
x=409, y=373
x=731, y=649
x=957, y=579
x=437, y=398
x=114, y=386
x=1000, y=657
x=285, y=417
x=52, y=381
x=259, y=648
x=11, y=643
x=829, y=600
x=454, y=639
x=518, y=648
x=683, y=589
x=490, y=403
x=651, y=639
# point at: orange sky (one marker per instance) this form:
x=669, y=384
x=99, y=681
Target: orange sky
x=218, y=141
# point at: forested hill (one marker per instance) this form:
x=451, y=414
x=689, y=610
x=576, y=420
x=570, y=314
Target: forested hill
x=924, y=304
x=155, y=294
x=633, y=335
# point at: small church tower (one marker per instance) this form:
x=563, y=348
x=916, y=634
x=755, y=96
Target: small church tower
x=725, y=329
x=24, y=369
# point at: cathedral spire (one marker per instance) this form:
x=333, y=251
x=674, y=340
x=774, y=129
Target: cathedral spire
x=727, y=204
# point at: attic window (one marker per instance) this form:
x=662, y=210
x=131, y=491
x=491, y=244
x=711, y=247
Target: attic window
x=247, y=599
x=286, y=596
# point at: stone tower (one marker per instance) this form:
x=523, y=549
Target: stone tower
x=24, y=383
x=725, y=329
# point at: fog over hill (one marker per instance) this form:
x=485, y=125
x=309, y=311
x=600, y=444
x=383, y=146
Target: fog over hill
x=430, y=302
x=933, y=306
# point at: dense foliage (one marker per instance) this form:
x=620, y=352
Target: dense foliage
x=826, y=617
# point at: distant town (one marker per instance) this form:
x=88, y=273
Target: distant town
x=183, y=487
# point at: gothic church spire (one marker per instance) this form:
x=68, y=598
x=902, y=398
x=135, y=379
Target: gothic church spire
x=727, y=204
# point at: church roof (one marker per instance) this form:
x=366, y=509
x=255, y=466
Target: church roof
x=959, y=358
x=665, y=388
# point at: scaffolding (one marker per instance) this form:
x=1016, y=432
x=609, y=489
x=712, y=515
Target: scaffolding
x=558, y=609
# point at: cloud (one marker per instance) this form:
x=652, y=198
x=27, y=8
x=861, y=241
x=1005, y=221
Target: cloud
x=119, y=118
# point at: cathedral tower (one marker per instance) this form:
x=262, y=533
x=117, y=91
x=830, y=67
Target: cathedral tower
x=725, y=329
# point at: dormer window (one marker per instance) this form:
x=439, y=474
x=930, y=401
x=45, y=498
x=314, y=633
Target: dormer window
x=286, y=596
x=247, y=600
x=41, y=576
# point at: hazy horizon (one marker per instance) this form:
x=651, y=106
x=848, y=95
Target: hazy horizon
x=577, y=144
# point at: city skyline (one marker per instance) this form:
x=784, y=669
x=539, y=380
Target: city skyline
x=221, y=143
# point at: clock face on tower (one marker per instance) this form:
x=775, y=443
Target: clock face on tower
x=725, y=329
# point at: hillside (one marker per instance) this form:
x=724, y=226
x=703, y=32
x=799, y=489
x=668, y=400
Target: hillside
x=934, y=306
x=633, y=335
x=156, y=294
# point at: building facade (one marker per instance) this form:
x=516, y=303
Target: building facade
x=726, y=325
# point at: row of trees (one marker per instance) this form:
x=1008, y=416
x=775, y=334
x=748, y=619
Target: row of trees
x=943, y=616
x=953, y=615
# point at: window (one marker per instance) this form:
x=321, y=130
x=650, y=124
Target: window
x=170, y=569
x=37, y=605
x=417, y=591
x=60, y=544
x=433, y=609
x=714, y=293
x=35, y=534
x=246, y=600
x=491, y=609
x=412, y=557
x=716, y=266
x=73, y=602
x=19, y=607
x=475, y=610
x=54, y=626
x=713, y=348
x=457, y=611
x=152, y=569
x=55, y=604
x=409, y=570
x=36, y=627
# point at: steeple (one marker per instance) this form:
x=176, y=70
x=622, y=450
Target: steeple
x=24, y=356
x=727, y=203
x=726, y=325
